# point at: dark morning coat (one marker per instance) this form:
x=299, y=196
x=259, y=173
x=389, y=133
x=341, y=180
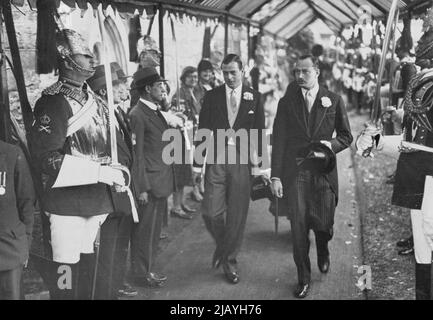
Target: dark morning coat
x=293, y=130
x=148, y=128
x=214, y=116
x=86, y=200
x=16, y=208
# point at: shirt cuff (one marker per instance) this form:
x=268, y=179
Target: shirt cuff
x=196, y=170
x=275, y=179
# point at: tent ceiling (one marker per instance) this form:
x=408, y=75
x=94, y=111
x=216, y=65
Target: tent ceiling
x=279, y=17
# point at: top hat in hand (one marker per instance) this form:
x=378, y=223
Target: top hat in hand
x=316, y=158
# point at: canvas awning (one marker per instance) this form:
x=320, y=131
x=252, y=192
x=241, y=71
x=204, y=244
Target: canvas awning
x=283, y=18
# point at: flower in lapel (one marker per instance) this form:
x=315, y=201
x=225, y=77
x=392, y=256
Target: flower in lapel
x=326, y=102
x=248, y=96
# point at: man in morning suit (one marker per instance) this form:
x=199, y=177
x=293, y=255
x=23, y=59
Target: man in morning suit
x=235, y=107
x=148, y=125
x=308, y=113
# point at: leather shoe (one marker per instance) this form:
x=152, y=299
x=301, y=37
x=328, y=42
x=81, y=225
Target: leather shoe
x=151, y=280
x=406, y=251
x=163, y=236
x=302, y=291
x=231, y=272
x=405, y=243
x=126, y=291
x=187, y=208
x=180, y=214
x=323, y=263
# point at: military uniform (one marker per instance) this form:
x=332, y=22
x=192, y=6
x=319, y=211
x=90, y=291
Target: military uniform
x=17, y=200
x=414, y=175
x=70, y=142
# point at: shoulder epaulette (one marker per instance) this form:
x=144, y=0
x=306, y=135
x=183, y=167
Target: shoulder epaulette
x=53, y=89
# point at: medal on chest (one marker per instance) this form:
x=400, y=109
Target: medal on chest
x=2, y=183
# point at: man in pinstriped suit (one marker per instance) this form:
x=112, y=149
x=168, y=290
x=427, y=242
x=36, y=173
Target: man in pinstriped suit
x=308, y=113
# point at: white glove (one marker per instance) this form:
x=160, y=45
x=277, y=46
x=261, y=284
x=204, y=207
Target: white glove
x=111, y=176
x=369, y=138
x=326, y=143
x=173, y=120
x=427, y=226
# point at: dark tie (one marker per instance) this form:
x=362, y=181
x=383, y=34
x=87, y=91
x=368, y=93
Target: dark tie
x=160, y=116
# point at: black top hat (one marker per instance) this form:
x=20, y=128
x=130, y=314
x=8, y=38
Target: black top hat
x=146, y=76
x=317, y=158
x=98, y=80
x=261, y=188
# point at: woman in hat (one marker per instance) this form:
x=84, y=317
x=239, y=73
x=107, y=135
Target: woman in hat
x=184, y=100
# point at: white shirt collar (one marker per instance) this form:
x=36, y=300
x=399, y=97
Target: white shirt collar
x=313, y=91
x=237, y=90
x=150, y=104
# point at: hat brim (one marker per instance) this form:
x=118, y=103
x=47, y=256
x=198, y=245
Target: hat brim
x=308, y=159
x=143, y=83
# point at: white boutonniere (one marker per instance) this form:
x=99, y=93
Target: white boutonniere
x=248, y=96
x=326, y=102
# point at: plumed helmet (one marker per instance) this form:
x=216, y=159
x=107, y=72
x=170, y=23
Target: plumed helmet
x=70, y=42
x=147, y=43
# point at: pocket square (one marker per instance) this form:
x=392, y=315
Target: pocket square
x=251, y=112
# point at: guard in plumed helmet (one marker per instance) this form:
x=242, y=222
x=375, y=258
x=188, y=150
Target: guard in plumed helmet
x=413, y=185
x=71, y=146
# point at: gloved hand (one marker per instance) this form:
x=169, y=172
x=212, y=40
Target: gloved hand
x=369, y=139
x=173, y=120
x=111, y=176
x=326, y=143
x=427, y=227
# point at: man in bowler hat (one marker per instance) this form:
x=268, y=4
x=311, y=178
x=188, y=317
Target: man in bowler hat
x=148, y=125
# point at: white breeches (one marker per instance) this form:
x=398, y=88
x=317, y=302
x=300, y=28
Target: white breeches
x=73, y=235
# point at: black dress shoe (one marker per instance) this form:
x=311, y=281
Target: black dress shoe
x=180, y=214
x=231, y=273
x=406, y=251
x=302, y=291
x=163, y=236
x=187, y=208
x=152, y=280
x=405, y=243
x=126, y=291
x=323, y=263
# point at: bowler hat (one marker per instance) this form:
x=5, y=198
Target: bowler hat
x=98, y=80
x=316, y=158
x=146, y=76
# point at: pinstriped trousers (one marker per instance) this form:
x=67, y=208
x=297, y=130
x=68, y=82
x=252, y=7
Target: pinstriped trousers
x=314, y=204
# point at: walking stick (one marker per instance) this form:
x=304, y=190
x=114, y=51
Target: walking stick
x=276, y=215
x=95, y=270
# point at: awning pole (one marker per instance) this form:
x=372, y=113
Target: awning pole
x=161, y=38
x=26, y=109
x=249, y=40
x=226, y=34
x=4, y=95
